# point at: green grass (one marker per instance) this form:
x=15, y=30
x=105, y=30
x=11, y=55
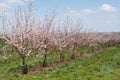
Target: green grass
x=102, y=66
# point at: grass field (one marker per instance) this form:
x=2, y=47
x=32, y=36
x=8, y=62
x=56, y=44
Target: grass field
x=102, y=66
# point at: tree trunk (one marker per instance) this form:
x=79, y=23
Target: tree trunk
x=24, y=66
x=91, y=50
x=81, y=54
x=61, y=57
x=73, y=55
x=45, y=60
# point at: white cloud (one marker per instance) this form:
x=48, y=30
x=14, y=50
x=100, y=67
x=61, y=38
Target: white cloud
x=3, y=6
x=80, y=13
x=6, y=5
x=107, y=8
x=15, y=2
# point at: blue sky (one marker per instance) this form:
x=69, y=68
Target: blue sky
x=98, y=15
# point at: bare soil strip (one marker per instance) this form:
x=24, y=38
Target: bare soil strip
x=38, y=69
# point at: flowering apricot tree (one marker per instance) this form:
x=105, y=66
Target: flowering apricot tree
x=16, y=32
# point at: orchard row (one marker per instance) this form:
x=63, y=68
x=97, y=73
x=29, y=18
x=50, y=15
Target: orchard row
x=29, y=36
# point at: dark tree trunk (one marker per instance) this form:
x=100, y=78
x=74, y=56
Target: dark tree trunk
x=61, y=57
x=73, y=55
x=81, y=54
x=24, y=67
x=91, y=50
x=45, y=60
